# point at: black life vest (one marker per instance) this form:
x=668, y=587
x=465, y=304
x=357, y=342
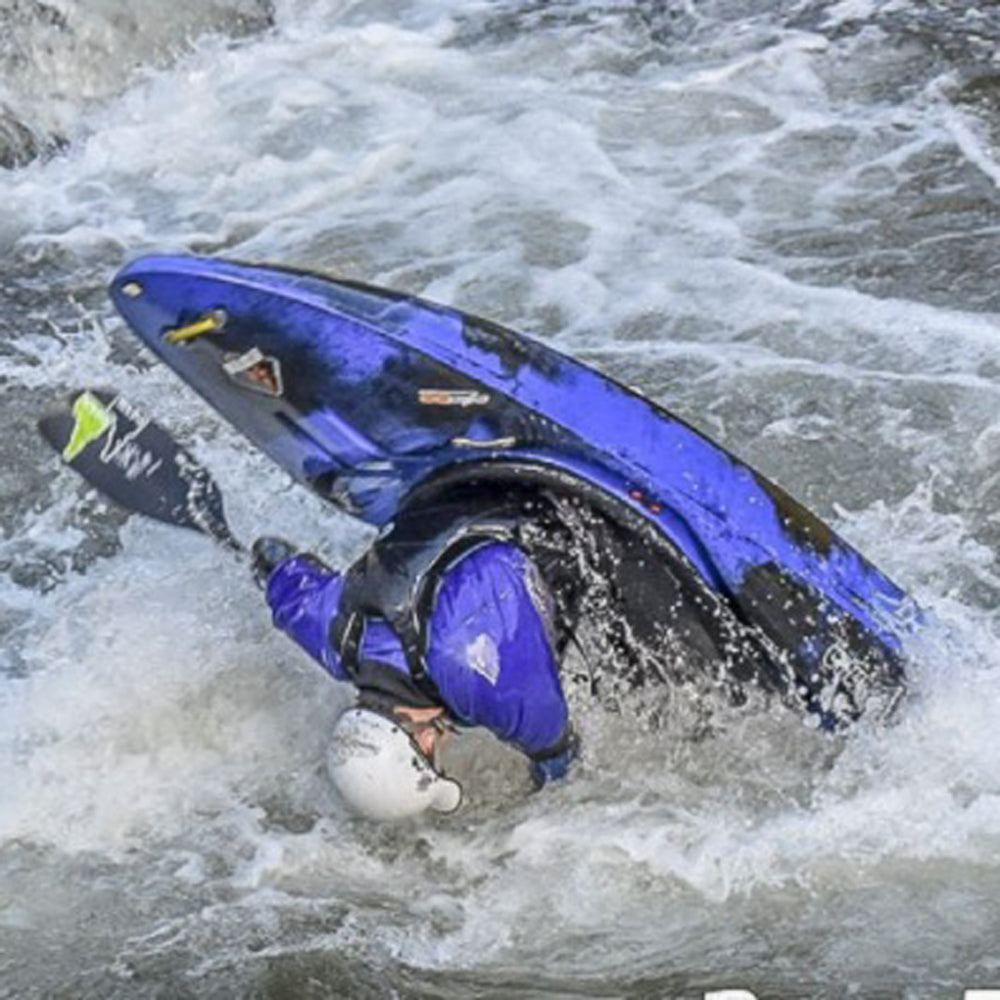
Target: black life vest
x=397, y=579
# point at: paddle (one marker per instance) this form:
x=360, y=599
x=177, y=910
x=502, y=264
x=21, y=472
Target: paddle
x=136, y=463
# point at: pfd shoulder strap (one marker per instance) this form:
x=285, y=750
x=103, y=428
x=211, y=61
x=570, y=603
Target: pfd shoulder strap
x=397, y=579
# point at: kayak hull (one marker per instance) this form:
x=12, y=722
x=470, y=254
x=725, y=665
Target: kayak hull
x=366, y=395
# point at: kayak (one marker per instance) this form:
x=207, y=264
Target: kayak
x=374, y=399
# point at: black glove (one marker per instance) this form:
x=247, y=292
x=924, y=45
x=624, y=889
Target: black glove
x=553, y=765
x=266, y=553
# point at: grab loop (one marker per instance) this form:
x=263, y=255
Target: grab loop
x=209, y=323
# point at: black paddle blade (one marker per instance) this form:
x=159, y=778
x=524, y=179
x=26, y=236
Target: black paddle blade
x=136, y=463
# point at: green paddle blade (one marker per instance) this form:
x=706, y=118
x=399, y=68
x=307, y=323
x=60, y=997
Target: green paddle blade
x=136, y=463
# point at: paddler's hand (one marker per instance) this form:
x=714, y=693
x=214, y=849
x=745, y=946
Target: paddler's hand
x=266, y=554
x=553, y=765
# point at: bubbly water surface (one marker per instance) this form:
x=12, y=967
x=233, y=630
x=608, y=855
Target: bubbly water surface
x=778, y=218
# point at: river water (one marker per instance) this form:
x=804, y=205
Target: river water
x=779, y=218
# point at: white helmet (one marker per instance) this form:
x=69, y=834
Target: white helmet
x=381, y=773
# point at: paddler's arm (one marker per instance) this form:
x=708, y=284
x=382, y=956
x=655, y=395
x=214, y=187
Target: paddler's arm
x=303, y=594
x=492, y=657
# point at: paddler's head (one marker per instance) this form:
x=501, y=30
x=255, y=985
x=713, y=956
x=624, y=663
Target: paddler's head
x=382, y=762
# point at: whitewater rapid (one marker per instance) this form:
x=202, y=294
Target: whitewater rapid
x=778, y=219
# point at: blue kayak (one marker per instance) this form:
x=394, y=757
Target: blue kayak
x=371, y=397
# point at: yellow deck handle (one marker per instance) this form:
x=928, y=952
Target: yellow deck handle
x=209, y=323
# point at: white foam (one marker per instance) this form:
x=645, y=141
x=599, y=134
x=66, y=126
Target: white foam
x=966, y=131
x=155, y=694
x=536, y=182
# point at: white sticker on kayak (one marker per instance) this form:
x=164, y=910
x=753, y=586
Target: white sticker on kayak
x=452, y=397
x=255, y=370
x=484, y=657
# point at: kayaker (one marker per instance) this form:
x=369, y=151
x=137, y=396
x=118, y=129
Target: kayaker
x=446, y=620
x=461, y=614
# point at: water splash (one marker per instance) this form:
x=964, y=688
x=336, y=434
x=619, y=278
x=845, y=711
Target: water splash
x=771, y=224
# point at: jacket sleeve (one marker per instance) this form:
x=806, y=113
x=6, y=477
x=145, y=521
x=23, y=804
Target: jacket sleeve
x=303, y=595
x=491, y=652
